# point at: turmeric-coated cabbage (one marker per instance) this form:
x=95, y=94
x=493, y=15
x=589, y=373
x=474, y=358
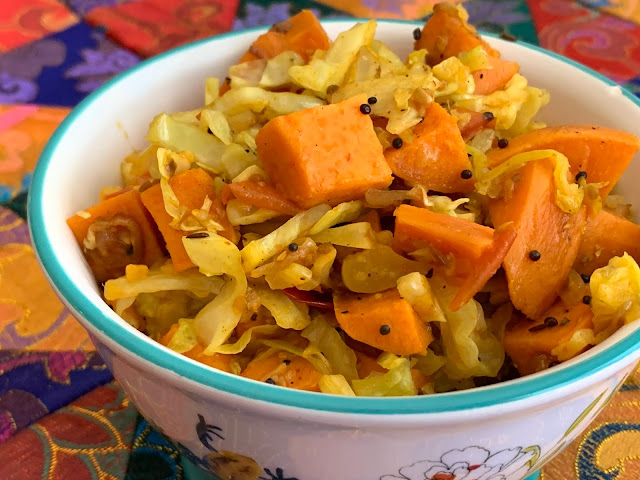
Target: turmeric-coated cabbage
x=215, y=255
x=615, y=295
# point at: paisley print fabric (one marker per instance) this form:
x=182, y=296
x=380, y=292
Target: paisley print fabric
x=24, y=21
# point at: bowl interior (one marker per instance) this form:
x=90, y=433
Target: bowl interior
x=84, y=155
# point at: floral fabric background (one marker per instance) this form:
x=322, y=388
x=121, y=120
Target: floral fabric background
x=61, y=414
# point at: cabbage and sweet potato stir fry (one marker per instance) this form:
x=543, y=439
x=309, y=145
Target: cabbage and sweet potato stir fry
x=338, y=219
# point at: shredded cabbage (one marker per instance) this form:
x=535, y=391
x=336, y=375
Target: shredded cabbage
x=286, y=312
x=336, y=385
x=393, y=95
x=536, y=99
x=246, y=74
x=355, y=235
x=505, y=104
x=211, y=90
x=580, y=340
x=158, y=281
x=470, y=347
x=252, y=172
x=456, y=76
x=292, y=275
x=169, y=133
x=185, y=338
x=310, y=354
x=330, y=68
x=257, y=99
x=344, y=212
x=390, y=63
x=321, y=268
x=415, y=289
x=216, y=122
x=615, y=295
x=324, y=337
x=276, y=73
x=396, y=382
x=235, y=159
x=376, y=270
x=429, y=363
x=476, y=59
x=239, y=213
x=259, y=251
x=245, y=339
x=215, y=255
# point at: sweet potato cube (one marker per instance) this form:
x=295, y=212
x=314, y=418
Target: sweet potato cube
x=121, y=209
x=301, y=33
x=603, y=153
x=542, y=226
x=529, y=343
x=606, y=236
x=447, y=33
x=362, y=316
x=417, y=228
x=325, y=154
x=500, y=71
x=191, y=188
x=436, y=157
x=478, y=250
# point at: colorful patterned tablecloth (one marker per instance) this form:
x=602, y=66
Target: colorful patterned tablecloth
x=61, y=414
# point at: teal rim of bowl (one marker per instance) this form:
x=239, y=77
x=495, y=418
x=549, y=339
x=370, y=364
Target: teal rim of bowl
x=204, y=375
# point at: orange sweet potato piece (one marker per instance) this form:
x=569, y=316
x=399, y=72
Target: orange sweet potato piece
x=324, y=154
x=113, y=218
x=191, y=188
x=259, y=194
x=500, y=71
x=284, y=369
x=542, y=226
x=301, y=33
x=603, y=153
x=417, y=228
x=361, y=317
x=531, y=350
x=478, y=250
x=486, y=267
x=436, y=157
x=606, y=236
x=446, y=35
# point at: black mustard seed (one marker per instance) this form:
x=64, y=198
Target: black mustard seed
x=365, y=109
x=535, y=255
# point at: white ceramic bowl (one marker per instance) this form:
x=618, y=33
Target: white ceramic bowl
x=504, y=431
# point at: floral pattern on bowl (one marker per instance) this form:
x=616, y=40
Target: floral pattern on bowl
x=472, y=463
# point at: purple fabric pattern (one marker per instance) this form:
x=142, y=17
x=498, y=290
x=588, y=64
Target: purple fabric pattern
x=34, y=384
x=257, y=15
x=20, y=68
x=495, y=12
x=100, y=64
x=12, y=228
